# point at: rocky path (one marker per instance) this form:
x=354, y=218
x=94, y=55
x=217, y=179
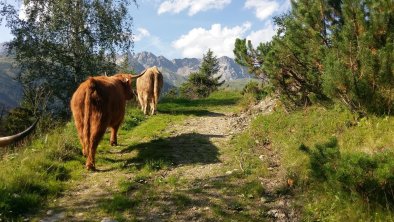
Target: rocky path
x=190, y=141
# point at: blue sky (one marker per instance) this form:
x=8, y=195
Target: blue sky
x=187, y=28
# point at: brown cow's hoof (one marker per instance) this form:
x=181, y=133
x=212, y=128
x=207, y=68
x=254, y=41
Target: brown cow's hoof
x=114, y=143
x=91, y=168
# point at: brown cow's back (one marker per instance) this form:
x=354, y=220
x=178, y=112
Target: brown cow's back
x=107, y=97
x=98, y=103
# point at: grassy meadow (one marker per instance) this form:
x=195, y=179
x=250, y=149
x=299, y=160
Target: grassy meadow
x=340, y=167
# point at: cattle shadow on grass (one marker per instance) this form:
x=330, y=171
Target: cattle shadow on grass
x=188, y=148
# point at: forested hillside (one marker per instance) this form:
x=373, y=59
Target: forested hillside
x=10, y=89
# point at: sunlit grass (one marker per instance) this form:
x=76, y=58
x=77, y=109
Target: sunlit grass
x=217, y=101
x=367, y=139
x=38, y=172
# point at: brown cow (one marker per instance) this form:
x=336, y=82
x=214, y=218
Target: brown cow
x=98, y=103
x=148, y=89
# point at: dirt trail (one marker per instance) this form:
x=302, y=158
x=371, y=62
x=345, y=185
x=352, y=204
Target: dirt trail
x=203, y=133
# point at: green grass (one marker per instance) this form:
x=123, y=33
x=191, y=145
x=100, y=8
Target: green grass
x=133, y=117
x=217, y=101
x=342, y=167
x=31, y=176
x=117, y=203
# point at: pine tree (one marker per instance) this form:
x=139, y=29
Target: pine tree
x=295, y=60
x=246, y=55
x=203, y=82
x=358, y=68
x=210, y=64
x=341, y=49
x=292, y=61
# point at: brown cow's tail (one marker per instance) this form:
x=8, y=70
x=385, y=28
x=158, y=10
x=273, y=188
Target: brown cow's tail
x=87, y=113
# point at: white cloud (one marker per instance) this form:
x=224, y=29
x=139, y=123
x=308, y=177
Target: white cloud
x=22, y=13
x=141, y=34
x=263, y=8
x=24, y=10
x=219, y=39
x=157, y=46
x=263, y=35
x=194, y=6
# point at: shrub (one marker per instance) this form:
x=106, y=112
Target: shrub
x=369, y=176
x=257, y=90
x=133, y=117
x=172, y=93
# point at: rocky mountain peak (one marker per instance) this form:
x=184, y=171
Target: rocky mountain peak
x=175, y=71
x=184, y=66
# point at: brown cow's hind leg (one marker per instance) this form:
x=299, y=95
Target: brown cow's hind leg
x=114, y=135
x=97, y=132
x=79, y=125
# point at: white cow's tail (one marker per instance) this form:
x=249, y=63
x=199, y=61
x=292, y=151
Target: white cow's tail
x=158, y=83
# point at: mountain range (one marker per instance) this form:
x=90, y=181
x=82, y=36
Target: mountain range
x=175, y=72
